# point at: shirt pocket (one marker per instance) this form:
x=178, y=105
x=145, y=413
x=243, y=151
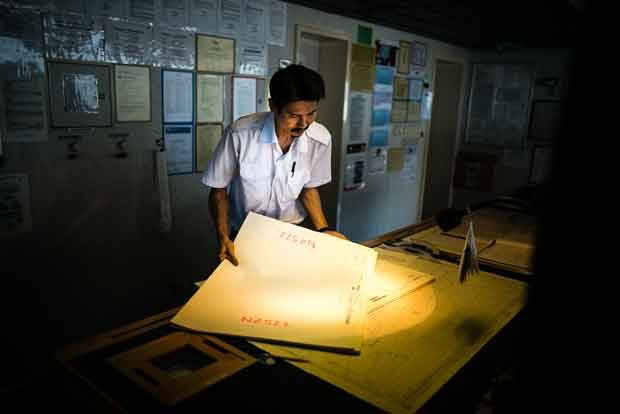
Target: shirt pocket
x=294, y=184
x=256, y=184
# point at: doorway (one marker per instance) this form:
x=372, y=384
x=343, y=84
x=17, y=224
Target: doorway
x=442, y=139
x=329, y=54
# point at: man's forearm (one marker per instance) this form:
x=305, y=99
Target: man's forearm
x=312, y=202
x=219, y=205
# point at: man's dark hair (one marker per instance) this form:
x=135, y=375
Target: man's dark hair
x=296, y=83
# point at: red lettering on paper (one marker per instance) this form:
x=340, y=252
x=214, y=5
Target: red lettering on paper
x=293, y=238
x=252, y=320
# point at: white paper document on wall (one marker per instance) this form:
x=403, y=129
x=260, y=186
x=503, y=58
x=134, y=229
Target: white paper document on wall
x=203, y=15
x=292, y=285
x=230, y=17
x=133, y=94
x=177, y=96
x=25, y=112
x=276, y=29
x=360, y=114
x=244, y=97
x=179, y=148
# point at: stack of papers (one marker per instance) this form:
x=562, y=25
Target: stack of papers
x=392, y=282
x=292, y=285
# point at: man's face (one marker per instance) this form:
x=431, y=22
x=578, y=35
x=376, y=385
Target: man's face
x=295, y=117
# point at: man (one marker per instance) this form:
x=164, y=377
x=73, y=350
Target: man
x=271, y=163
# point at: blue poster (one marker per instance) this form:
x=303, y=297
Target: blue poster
x=384, y=75
x=379, y=136
x=382, y=97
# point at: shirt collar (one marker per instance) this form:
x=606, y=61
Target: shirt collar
x=268, y=133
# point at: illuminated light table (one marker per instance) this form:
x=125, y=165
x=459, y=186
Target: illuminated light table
x=412, y=348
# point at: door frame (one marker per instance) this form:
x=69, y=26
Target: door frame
x=300, y=29
x=459, y=129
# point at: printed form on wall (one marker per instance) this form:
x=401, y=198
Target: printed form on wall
x=177, y=96
x=25, y=111
x=252, y=59
x=173, y=48
x=416, y=86
x=207, y=138
x=398, y=131
x=399, y=111
x=377, y=161
x=255, y=17
x=174, y=13
x=362, y=68
x=133, y=93
x=128, y=43
x=210, y=97
x=403, y=57
x=229, y=17
x=276, y=32
x=179, y=148
x=413, y=111
x=215, y=54
x=244, y=96
x=74, y=37
x=418, y=54
x=143, y=10
x=360, y=111
x=203, y=15
x=415, y=129
x=401, y=88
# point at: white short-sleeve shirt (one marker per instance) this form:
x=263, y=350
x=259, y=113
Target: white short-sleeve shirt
x=249, y=161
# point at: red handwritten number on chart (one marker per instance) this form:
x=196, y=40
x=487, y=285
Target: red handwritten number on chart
x=260, y=321
x=293, y=238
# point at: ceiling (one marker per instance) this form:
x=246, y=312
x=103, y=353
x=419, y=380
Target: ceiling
x=470, y=24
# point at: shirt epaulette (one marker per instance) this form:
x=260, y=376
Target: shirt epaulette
x=319, y=133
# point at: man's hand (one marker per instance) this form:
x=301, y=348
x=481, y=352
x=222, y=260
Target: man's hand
x=227, y=251
x=312, y=202
x=218, y=205
x=336, y=234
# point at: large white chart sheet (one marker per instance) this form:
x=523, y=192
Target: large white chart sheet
x=292, y=285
